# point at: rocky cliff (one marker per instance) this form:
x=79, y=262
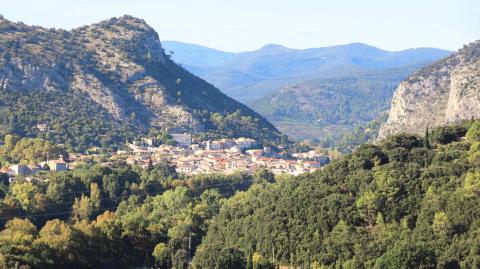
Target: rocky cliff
x=444, y=92
x=118, y=64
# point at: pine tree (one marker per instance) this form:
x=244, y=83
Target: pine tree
x=426, y=142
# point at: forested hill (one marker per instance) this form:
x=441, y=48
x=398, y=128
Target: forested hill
x=93, y=84
x=408, y=202
x=405, y=203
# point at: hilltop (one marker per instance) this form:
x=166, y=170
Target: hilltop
x=94, y=84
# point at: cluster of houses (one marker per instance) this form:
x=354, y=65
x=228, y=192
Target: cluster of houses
x=313, y=156
x=195, y=157
x=225, y=155
x=32, y=169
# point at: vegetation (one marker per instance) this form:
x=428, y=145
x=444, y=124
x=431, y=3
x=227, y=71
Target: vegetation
x=236, y=125
x=392, y=205
x=70, y=119
x=28, y=150
x=351, y=139
x=407, y=202
x=328, y=109
x=109, y=217
x=395, y=205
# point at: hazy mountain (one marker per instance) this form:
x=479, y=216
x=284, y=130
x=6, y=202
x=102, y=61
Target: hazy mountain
x=108, y=76
x=194, y=55
x=444, y=92
x=247, y=76
x=317, y=93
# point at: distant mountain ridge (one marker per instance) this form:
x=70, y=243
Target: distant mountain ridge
x=316, y=93
x=119, y=68
x=441, y=93
x=248, y=76
x=195, y=55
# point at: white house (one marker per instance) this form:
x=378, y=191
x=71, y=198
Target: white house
x=183, y=140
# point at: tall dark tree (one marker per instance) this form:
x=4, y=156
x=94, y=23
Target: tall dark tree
x=426, y=142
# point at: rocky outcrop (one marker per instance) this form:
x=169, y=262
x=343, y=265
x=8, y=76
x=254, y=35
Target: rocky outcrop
x=445, y=92
x=120, y=65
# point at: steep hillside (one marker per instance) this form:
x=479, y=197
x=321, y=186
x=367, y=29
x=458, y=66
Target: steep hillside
x=115, y=73
x=446, y=91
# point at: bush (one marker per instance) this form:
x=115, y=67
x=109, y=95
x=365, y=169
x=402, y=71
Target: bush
x=406, y=141
x=447, y=134
x=473, y=133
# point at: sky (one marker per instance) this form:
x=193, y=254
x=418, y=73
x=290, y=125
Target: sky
x=249, y=24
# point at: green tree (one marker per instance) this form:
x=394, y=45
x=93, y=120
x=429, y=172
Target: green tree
x=263, y=175
x=230, y=258
x=16, y=244
x=58, y=239
x=27, y=194
x=407, y=254
x=367, y=206
x=441, y=224
x=82, y=209
x=95, y=195
x=161, y=254
x=426, y=141
x=473, y=133
x=471, y=185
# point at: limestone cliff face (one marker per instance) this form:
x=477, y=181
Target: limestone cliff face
x=444, y=92
x=119, y=64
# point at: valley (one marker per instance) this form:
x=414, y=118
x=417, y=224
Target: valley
x=123, y=149
x=317, y=94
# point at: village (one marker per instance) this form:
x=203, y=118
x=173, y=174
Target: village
x=191, y=157
x=225, y=156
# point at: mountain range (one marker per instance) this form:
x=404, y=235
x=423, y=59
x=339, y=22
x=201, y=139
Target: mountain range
x=94, y=84
x=318, y=93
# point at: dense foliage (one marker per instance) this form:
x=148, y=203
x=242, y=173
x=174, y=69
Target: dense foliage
x=407, y=202
x=352, y=138
x=70, y=119
x=28, y=150
x=404, y=203
x=236, y=125
x=111, y=216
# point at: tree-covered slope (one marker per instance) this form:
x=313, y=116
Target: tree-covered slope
x=405, y=203
x=325, y=109
x=114, y=71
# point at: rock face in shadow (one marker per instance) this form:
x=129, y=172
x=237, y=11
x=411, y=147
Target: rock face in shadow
x=444, y=92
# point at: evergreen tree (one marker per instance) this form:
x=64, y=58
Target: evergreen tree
x=426, y=142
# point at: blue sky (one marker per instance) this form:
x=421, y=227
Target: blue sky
x=249, y=24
